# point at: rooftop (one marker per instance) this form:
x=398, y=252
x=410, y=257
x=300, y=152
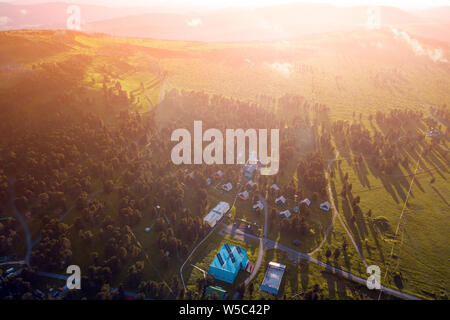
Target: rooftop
x=273, y=277
x=229, y=258
x=217, y=212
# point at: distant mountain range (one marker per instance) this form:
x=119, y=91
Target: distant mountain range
x=54, y=15
x=280, y=22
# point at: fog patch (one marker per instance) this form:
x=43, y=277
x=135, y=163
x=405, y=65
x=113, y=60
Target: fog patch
x=194, y=22
x=250, y=62
x=4, y=21
x=284, y=68
x=435, y=54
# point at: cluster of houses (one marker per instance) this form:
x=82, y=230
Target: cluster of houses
x=281, y=201
x=228, y=186
x=230, y=259
x=218, y=175
x=223, y=207
x=248, y=172
x=219, y=211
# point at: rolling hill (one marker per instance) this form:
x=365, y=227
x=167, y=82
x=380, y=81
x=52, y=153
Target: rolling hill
x=280, y=22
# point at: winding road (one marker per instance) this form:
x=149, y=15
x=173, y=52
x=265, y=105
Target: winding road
x=261, y=244
x=336, y=212
x=12, y=263
x=333, y=207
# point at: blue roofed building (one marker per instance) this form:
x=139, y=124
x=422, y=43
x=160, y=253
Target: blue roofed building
x=228, y=262
x=273, y=277
x=249, y=170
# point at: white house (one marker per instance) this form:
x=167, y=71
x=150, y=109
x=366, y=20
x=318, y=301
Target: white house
x=9, y=271
x=325, y=206
x=285, y=214
x=217, y=213
x=307, y=201
x=251, y=183
x=274, y=188
x=243, y=195
x=227, y=187
x=280, y=200
x=258, y=206
x=218, y=174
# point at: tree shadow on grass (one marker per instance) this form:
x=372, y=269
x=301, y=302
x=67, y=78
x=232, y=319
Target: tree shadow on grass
x=347, y=263
x=377, y=243
x=268, y=256
x=362, y=173
x=398, y=282
x=331, y=283
x=348, y=214
x=436, y=164
x=304, y=274
x=293, y=279
x=440, y=195
x=387, y=186
x=341, y=290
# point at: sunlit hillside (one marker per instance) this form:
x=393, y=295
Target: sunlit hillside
x=354, y=71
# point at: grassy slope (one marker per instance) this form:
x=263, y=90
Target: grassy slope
x=421, y=249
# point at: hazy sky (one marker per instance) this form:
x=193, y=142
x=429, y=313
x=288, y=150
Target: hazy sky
x=253, y=3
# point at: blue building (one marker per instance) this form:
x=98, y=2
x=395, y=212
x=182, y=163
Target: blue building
x=249, y=170
x=227, y=263
x=273, y=277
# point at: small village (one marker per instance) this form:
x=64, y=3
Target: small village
x=231, y=259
